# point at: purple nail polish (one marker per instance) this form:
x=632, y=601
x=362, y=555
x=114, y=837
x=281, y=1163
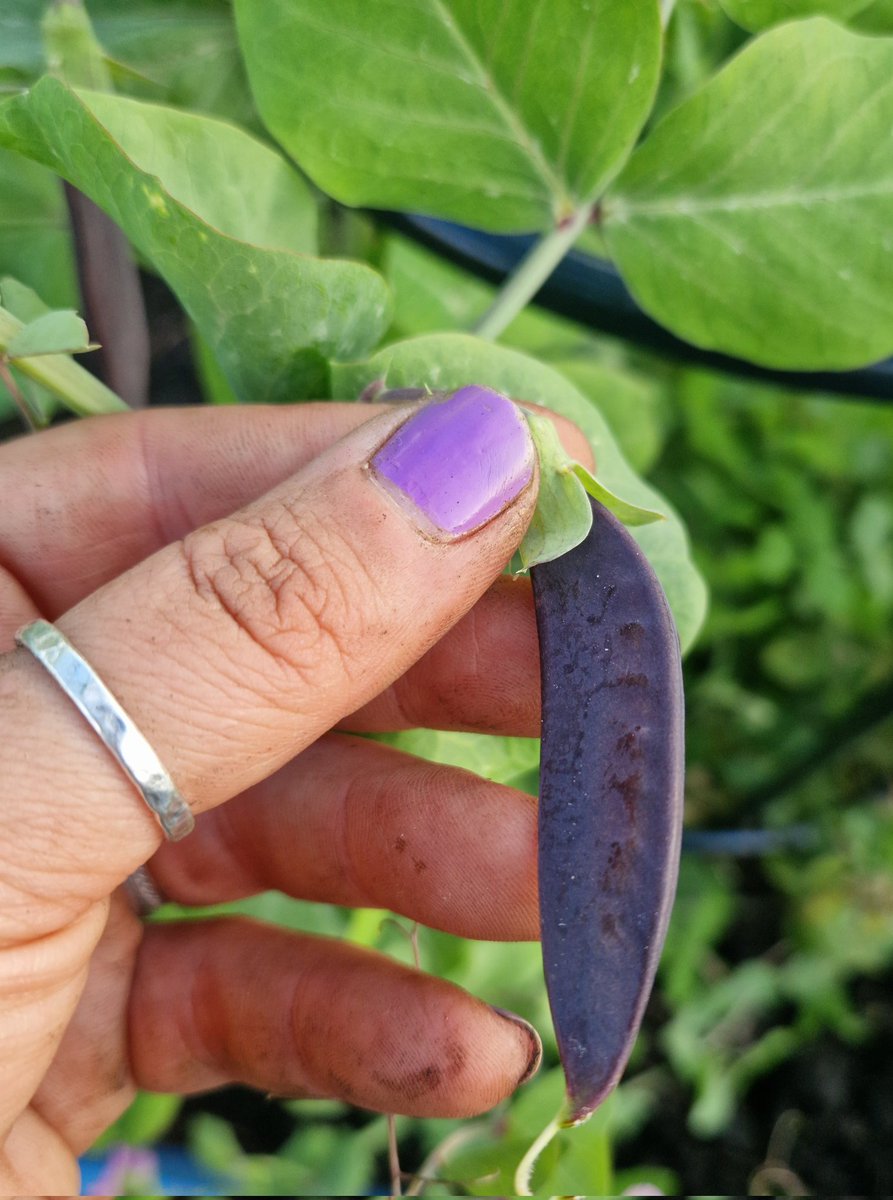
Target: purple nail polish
x=460, y=461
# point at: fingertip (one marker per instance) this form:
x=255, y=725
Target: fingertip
x=532, y=1040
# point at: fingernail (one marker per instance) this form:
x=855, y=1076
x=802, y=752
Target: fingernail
x=536, y=1045
x=458, y=461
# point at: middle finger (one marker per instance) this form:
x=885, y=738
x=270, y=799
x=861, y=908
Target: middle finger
x=355, y=823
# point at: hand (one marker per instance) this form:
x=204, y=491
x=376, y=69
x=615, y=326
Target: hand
x=237, y=643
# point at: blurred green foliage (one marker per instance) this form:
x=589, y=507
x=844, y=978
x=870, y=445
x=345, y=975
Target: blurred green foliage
x=789, y=502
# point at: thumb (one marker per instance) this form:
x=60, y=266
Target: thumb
x=237, y=647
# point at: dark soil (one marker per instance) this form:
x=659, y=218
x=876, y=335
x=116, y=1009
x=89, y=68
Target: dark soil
x=820, y=1123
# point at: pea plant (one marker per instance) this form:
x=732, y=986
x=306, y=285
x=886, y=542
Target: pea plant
x=252, y=156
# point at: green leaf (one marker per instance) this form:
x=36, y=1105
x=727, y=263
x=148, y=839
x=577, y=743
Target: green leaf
x=504, y=116
x=58, y=332
x=449, y=361
x=179, y=52
x=226, y=177
x=35, y=240
x=563, y=515
x=192, y=194
x=876, y=18
x=752, y=220
x=72, y=50
x=513, y=761
x=78, y=390
x=629, y=514
x=23, y=302
x=21, y=49
x=759, y=14
x=25, y=305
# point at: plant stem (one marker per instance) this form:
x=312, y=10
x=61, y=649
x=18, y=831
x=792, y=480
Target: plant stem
x=76, y=388
x=525, y=1169
x=428, y=1172
x=393, y=1145
x=18, y=399
x=531, y=273
x=112, y=298
x=394, y=1157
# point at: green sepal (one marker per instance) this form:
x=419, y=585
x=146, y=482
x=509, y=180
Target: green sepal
x=563, y=515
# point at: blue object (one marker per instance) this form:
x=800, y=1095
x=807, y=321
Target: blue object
x=179, y=1174
x=591, y=291
x=750, y=843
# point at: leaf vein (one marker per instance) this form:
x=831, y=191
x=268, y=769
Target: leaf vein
x=522, y=134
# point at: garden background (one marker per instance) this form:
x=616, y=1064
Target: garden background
x=766, y=1059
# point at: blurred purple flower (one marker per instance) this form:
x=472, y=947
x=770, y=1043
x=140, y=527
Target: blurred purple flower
x=128, y=1169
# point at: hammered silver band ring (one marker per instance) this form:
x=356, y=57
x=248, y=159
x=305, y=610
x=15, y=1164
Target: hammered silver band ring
x=88, y=693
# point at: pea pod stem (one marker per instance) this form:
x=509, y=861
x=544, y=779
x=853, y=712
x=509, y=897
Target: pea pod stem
x=524, y=1172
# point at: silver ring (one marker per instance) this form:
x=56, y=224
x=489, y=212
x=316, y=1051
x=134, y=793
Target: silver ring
x=143, y=892
x=87, y=691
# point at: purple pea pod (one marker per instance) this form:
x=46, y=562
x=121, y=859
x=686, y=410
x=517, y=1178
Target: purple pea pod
x=611, y=794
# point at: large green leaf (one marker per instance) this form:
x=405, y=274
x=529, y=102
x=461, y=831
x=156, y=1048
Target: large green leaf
x=758, y=14
x=448, y=361
x=229, y=179
x=755, y=218
x=502, y=115
x=191, y=193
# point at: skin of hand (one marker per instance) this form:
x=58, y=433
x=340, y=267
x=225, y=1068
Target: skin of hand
x=255, y=585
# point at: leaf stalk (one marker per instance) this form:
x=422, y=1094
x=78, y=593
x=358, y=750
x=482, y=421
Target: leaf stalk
x=531, y=273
